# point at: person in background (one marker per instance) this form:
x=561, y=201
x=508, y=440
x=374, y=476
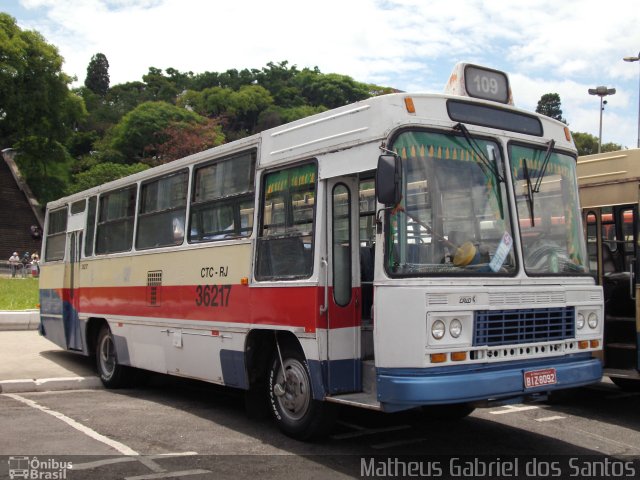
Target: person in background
x=35, y=265
x=26, y=262
x=14, y=262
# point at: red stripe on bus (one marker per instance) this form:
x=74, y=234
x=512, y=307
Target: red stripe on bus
x=282, y=306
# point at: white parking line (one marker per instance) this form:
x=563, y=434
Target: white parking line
x=153, y=476
x=549, y=419
x=111, y=461
x=513, y=409
x=120, y=447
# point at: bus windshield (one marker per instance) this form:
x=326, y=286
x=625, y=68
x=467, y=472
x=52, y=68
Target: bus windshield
x=453, y=218
x=549, y=217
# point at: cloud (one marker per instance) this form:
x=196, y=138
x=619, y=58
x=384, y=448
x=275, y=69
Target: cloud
x=546, y=46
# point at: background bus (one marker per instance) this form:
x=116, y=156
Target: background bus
x=272, y=264
x=609, y=186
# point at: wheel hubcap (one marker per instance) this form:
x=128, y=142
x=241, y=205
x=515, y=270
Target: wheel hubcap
x=292, y=390
x=107, y=356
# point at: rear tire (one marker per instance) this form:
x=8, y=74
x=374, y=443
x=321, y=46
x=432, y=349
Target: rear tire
x=111, y=373
x=291, y=401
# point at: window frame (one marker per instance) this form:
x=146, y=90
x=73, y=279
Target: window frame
x=101, y=224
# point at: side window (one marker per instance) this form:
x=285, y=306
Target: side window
x=285, y=240
x=91, y=227
x=56, y=235
x=115, y=221
x=223, y=199
x=162, y=211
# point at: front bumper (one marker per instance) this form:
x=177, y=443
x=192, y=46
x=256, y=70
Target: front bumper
x=401, y=389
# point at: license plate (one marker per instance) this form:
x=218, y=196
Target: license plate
x=540, y=378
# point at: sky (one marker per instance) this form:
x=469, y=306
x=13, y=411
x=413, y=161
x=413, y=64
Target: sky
x=546, y=46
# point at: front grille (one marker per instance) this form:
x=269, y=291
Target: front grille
x=512, y=327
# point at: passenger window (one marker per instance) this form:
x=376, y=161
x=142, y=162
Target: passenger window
x=162, y=211
x=223, y=199
x=285, y=241
x=56, y=235
x=115, y=221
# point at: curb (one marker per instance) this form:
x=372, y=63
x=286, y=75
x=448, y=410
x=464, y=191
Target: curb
x=49, y=384
x=19, y=320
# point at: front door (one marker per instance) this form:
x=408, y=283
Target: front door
x=344, y=294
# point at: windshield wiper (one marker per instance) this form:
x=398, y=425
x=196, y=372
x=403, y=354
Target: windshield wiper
x=478, y=151
x=545, y=163
x=530, y=191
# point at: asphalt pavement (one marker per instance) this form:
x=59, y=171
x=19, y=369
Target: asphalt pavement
x=31, y=363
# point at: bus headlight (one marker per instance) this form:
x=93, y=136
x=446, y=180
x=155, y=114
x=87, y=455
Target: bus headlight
x=580, y=321
x=455, y=328
x=592, y=320
x=438, y=329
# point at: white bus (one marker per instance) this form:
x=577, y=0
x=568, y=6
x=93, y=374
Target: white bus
x=405, y=251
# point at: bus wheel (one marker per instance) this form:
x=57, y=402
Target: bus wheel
x=627, y=384
x=447, y=412
x=110, y=372
x=297, y=414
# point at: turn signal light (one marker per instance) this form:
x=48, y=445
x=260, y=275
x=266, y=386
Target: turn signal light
x=582, y=344
x=567, y=134
x=438, y=357
x=594, y=343
x=408, y=103
x=244, y=281
x=458, y=356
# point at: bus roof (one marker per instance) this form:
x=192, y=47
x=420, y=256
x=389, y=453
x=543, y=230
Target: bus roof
x=335, y=132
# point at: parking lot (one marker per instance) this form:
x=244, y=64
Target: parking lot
x=176, y=428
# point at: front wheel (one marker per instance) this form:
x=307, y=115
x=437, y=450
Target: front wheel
x=297, y=414
x=112, y=374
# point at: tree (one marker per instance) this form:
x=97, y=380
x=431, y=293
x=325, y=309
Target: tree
x=38, y=112
x=34, y=94
x=549, y=105
x=98, y=75
x=138, y=135
x=103, y=173
x=182, y=139
x=587, y=144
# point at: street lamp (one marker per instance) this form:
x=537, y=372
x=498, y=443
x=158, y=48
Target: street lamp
x=635, y=59
x=601, y=92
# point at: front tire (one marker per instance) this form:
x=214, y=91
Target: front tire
x=291, y=401
x=111, y=373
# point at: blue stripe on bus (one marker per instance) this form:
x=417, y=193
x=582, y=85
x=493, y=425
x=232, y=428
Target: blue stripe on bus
x=401, y=389
x=233, y=369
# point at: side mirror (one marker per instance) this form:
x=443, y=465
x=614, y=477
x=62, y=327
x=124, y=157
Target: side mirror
x=389, y=180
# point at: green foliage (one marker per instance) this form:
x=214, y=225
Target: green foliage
x=549, y=105
x=44, y=163
x=98, y=75
x=137, y=135
x=103, y=173
x=19, y=293
x=168, y=114
x=34, y=94
x=587, y=144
